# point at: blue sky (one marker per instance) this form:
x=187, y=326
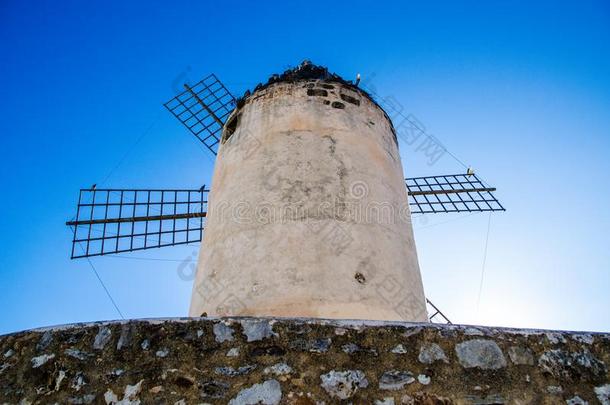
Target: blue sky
x=520, y=91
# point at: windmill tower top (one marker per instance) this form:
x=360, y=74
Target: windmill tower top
x=304, y=71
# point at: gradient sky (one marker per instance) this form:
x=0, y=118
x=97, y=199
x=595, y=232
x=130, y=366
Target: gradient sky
x=520, y=91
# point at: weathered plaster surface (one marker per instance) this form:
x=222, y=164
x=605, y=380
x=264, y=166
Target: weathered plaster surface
x=308, y=212
x=300, y=361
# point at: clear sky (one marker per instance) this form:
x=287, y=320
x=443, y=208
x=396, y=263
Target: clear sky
x=518, y=90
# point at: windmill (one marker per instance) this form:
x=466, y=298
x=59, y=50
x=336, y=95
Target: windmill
x=110, y=221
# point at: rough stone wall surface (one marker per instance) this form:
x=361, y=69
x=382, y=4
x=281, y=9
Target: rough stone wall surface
x=301, y=361
x=308, y=213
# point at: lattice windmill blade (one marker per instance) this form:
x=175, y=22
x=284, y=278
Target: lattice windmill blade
x=450, y=193
x=203, y=109
x=435, y=315
x=124, y=220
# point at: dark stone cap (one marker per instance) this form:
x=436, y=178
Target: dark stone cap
x=307, y=70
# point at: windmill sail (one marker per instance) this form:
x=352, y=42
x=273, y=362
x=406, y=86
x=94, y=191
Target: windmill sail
x=435, y=315
x=124, y=220
x=203, y=109
x=450, y=193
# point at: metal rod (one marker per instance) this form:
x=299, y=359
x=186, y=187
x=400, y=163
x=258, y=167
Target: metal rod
x=91, y=218
x=80, y=195
x=160, y=222
x=174, y=223
x=467, y=190
x=133, y=214
x=121, y=251
x=139, y=189
x=138, y=219
x=146, y=224
x=188, y=221
x=105, y=217
x=204, y=105
x=118, y=231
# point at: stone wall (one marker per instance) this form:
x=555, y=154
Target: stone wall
x=299, y=361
